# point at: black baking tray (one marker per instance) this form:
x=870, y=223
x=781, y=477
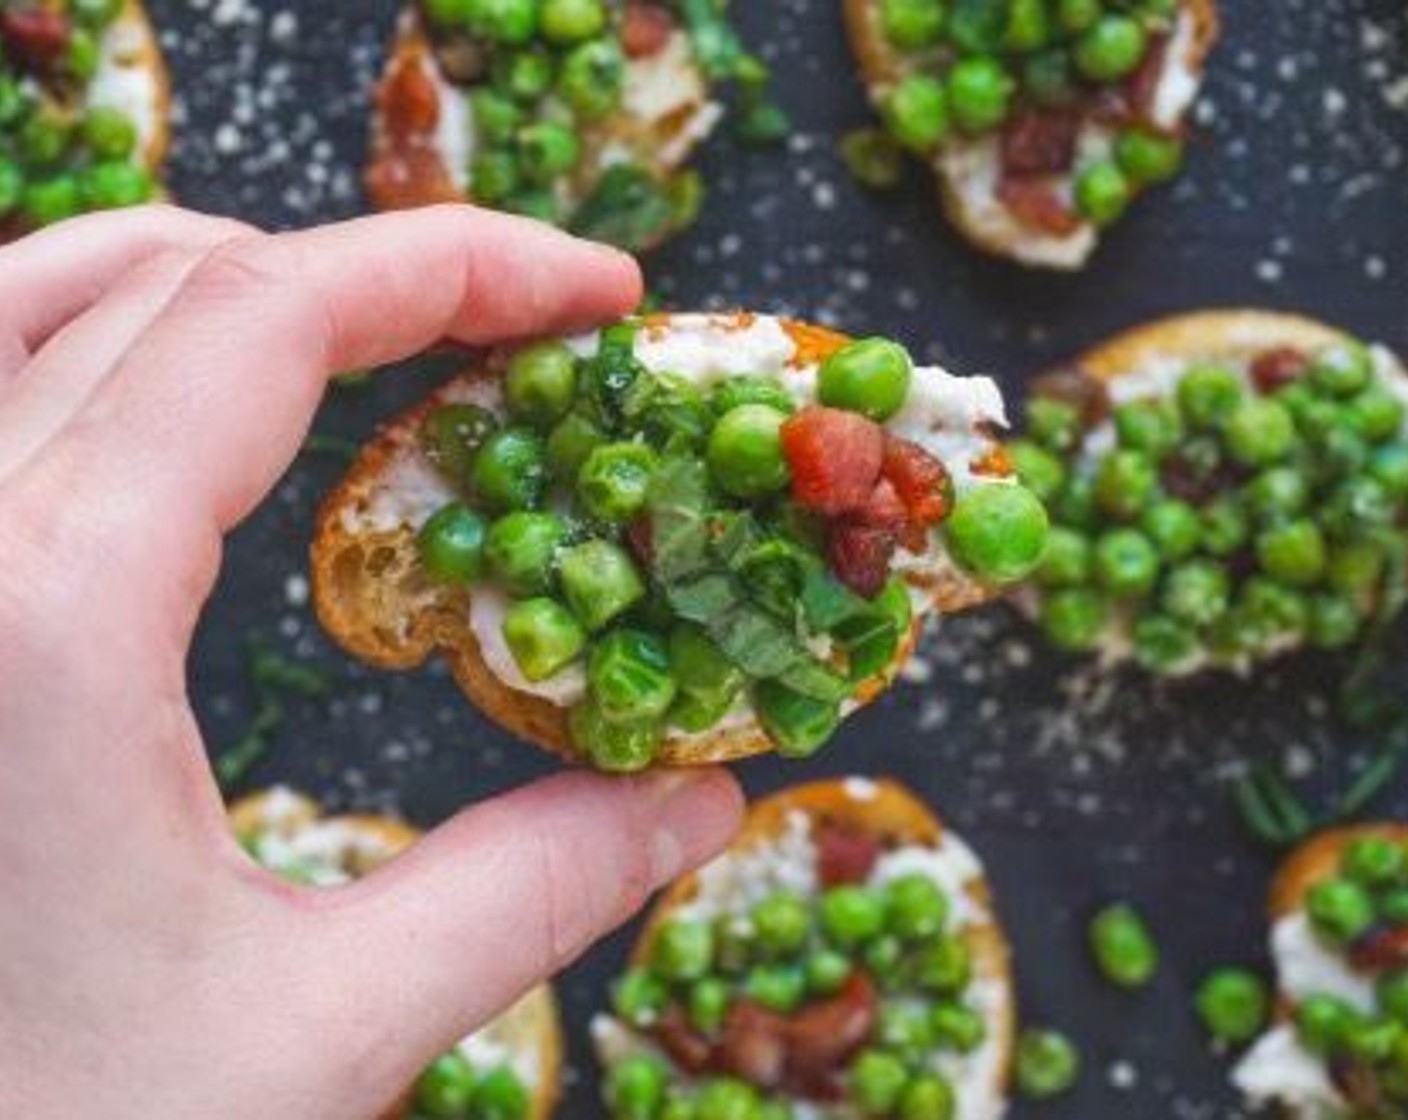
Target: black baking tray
x=1075, y=788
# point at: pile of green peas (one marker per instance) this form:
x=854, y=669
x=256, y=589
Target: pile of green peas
x=1368, y=896
x=452, y=1089
x=1227, y=521
x=973, y=65
x=59, y=158
x=786, y=952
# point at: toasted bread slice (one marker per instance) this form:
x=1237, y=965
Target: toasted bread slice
x=890, y=814
x=372, y=597
x=968, y=170
x=424, y=135
x=528, y=1035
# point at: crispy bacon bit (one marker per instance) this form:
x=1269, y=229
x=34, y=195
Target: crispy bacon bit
x=920, y=479
x=1038, y=142
x=884, y=510
x=34, y=38
x=993, y=463
x=406, y=169
x=835, y=458
x=1273, y=369
x=645, y=29
x=844, y=855
x=1075, y=388
x=754, y=1045
x=687, y=1048
x=408, y=98
x=1380, y=950
x=1033, y=201
x=462, y=59
x=860, y=556
x=1357, y=1084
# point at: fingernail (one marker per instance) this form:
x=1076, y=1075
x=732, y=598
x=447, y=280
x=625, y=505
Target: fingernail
x=697, y=812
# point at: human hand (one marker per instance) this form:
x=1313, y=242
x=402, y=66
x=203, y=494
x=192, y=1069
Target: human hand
x=158, y=371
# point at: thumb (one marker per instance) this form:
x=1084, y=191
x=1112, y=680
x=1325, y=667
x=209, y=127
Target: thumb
x=509, y=893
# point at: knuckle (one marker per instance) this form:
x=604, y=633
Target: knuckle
x=239, y=269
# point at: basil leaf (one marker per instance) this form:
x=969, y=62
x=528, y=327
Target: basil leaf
x=628, y=208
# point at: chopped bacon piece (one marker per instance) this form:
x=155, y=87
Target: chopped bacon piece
x=408, y=98
x=687, y=1048
x=406, y=169
x=34, y=38
x=844, y=855
x=754, y=1045
x=920, y=479
x=835, y=458
x=1380, y=950
x=645, y=29
x=860, y=556
x=1038, y=142
x=1033, y=201
x=883, y=510
x=1276, y=368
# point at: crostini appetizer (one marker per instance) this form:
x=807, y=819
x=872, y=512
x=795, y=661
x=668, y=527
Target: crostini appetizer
x=579, y=112
x=84, y=103
x=509, y=1070
x=842, y=959
x=1042, y=119
x=683, y=539
x=1224, y=487
x=1339, y=941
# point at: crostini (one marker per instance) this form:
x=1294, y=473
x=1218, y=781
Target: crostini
x=1224, y=487
x=1041, y=120
x=84, y=110
x=680, y=540
x=842, y=958
x=583, y=113
x=510, y=1069
x=1339, y=941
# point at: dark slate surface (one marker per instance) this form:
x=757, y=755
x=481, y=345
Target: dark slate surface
x=1075, y=789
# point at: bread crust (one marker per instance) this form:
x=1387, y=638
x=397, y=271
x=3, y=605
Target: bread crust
x=879, y=68
x=895, y=816
x=668, y=142
x=370, y=598
x=150, y=59
x=532, y=1024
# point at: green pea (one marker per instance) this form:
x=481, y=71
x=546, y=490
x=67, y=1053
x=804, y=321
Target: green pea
x=1226, y=527
x=1343, y=369
x=1374, y=862
x=927, y=1097
x=912, y=25
x=1048, y=80
x=958, y=1027
x=873, y=158
x=998, y=531
x=1039, y=470
x=779, y=988
x=571, y=443
x=1162, y=644
x=1388, y=467
x=734, y=392
x=1198, y=593
x=521, y=549
x=1028, y=26
x=524, y=75
x=683, y=950
x=540, y=383
x=871, y=376
x=46, y=202
x=600, y=581
x=1392, y=991
x=564, y=22
x=1069, y=560
x=734, y=945
x=1208, y=394
x=883, y=958
x=979, y=94
x=511, y=22
x=1122, y=947
x=114, y=185
x=95, y=14
x=904, y=1029
x=916, y=113
x=546, y=151
x=726, y=1099
x=1293, y=553
x=496, y=117
x=1372, y=1040
x=851, y=915
x=1322, y=1021
x=1148, y=157
x=1103, y=192
x=700, y=666
x=452, y=435
x=14, y=102
x=1358, y=504
x=1233, y=1004
x=543, y=637
x=1277, y=493
x=639, y=997
x=83, y=56
x=1048, y=1064
x=1339, y=908
x=826, y=971
x=451, y=545
x=109, y=133
x=708, y=1005
x=1075, y=16
x=1342, y=450
x=614, y=481
x=450, y=13
x=500, y=1095
x=1174, y=528
x=695, y=715
x=781, y=923
x=876, y=1082
x=1074, y=619
x=1148, y=426
x=745, y=452
x=944, y=966
x=1110, y=49
x=1053, y=423
x=635, y=1087
x=798, y=725
x=1272, y=607
x=11, y=186
x=1376, y=414
x=44, y=137
x=1259, y=432
x=493, y=176
x=1125, y=484
x=612, y=746
x=916, y=907
x=446, y=1088
x=510, y=470
x=1126, y=563
x=592, y=78
x=1393, y=906
x=1356, y=569
x=629, y=676
x=1335, y=622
